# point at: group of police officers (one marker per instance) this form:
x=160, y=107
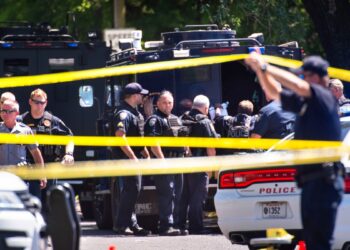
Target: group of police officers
x=181, y=196
x=38, y=121
x=299, y=104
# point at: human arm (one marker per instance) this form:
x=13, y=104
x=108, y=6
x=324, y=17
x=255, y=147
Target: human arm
x=270, y=76
x=38, y=159
x=255, y=136
x=68, y=158
x=61, y=128
x=126, y=149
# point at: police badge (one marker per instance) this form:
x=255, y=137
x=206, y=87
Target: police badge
x=123, y=115
x=47, y=123
x=152, y=121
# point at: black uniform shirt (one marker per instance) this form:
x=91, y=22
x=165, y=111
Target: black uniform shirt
x=130, y=121
x=202, y=128
x=158, y=125
x=273, y=122
x=50, y=125
x=317, y=117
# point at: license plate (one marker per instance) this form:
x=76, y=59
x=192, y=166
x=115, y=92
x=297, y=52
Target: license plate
x=274, y=210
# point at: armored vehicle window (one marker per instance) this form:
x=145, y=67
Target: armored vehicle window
x=16, y=67
x=61, y=64
x=197, y=74
x=117, y=94
x=86, y=96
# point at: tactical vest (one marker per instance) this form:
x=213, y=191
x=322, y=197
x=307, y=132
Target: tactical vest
x=50, y=152
x=138, y=120
x=173, y=128
x=190, y=123
x=240, y=127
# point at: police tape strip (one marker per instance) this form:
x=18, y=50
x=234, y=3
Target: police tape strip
x=237, y=143
x=94, y=169
x=21, y=81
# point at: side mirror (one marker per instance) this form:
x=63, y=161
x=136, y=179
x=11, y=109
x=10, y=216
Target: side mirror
x=86, y=96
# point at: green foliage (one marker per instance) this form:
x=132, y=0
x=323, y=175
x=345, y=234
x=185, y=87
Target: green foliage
x=279, y=20
x=90, y=14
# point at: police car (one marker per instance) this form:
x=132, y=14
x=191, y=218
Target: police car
x=21, y=224
x=269, y=198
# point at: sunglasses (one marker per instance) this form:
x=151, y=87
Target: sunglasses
x=7, y=111
x=38, y=102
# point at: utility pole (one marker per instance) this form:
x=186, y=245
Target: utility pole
x=119, y=14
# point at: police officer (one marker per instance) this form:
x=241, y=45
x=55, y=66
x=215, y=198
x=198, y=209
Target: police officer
x=15, y=154
x=196, y=185
x=43, y=122
x=130, y=122
x=169, y=187
x=273, y=121
x=317, y=119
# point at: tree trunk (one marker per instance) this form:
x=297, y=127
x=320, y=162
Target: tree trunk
x=332, y=22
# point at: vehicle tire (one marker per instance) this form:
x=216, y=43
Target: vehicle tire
x=87, y=210
x=102, y=211
x=346, y=246
x=149, y=222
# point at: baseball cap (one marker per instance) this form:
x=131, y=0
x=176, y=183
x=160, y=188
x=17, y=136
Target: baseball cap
x=134, y=88
x=314, y=64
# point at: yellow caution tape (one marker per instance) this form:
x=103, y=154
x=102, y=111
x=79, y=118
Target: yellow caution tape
x=21, y=81
x=93, y=169
x=243, y=143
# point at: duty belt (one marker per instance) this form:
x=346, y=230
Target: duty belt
x=329, y=173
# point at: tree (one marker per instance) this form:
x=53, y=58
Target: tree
x=331, y=20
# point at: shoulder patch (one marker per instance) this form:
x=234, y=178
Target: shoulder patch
x=120, y=125
x=123, y=115
x=152, y=121
x=47, y=123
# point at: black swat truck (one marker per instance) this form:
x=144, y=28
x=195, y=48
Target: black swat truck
x=87, y=106
x=227, y=82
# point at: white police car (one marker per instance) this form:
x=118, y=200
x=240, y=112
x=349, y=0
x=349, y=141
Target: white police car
x=21, y=224
x=248, y=202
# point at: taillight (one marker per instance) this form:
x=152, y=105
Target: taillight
x=244, y=179
x=347, y=184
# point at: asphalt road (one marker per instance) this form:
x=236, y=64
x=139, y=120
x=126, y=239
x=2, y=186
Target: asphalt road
x=94, y=239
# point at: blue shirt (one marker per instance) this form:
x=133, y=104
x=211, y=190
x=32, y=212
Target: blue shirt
x=12, y=154
x=273, y=121
x=317, y=118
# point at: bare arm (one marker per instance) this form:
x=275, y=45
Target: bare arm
x=126, y=149
x=290, y=81
x=38, y=159
x=68, y=158
x=211, y=151
x=254, y=135
x=157, y=151
x=272, y=76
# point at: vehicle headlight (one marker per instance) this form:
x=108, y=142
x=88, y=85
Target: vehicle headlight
x=9, y=200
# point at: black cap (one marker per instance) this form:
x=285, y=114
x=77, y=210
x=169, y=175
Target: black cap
x=314, y=64
x=134, y=88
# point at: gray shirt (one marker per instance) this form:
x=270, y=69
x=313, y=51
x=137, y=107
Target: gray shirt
x=12, y=154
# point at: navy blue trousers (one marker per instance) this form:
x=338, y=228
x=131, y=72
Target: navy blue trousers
x=319, y=204
x=195, y=189
x=130, y=188
x=169, y=189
